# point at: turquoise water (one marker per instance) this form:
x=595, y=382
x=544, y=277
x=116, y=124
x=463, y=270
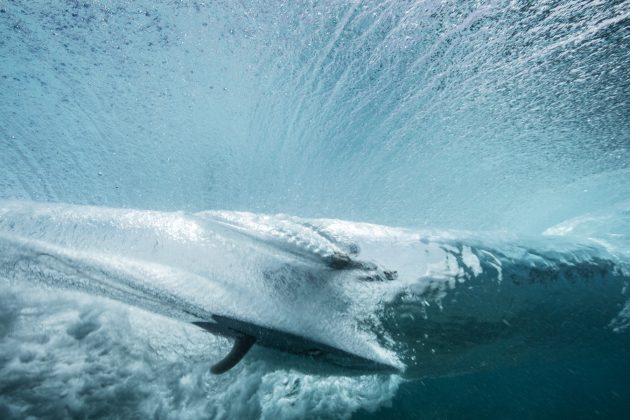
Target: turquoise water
x=495, y=137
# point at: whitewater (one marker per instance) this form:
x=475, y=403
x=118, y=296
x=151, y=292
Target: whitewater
x=414, y=209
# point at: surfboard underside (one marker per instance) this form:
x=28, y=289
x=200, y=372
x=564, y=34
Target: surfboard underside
x=244, y=332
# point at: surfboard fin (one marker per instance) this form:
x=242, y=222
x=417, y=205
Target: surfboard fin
x=241, y=346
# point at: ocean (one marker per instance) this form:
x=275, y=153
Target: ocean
x=412, y=209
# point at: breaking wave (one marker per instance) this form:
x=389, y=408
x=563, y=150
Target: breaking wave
x=428, y=304
x=495, y=134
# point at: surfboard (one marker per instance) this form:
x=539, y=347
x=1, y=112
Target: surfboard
x=246, y=334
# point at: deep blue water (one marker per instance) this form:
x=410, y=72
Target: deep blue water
x=495, y=134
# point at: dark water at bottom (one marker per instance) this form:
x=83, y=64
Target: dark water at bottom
x=584, y=386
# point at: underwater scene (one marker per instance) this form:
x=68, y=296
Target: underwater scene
x=333, y=209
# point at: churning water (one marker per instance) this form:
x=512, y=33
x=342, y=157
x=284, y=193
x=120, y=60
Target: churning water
x=268, y=145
